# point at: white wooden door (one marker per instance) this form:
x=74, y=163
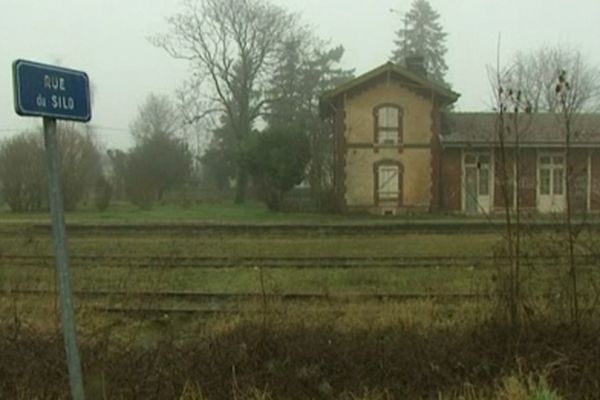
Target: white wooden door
x=551, y=183
x=478, y=183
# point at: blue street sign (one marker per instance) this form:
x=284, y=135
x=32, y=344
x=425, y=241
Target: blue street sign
x=47, y=91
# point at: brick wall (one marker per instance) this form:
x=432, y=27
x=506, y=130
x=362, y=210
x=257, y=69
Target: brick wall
x=451, y=176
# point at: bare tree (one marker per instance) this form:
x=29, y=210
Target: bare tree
x=231, y=45
x=542, y=75
x=156, y=116
x=196, y=131
x=571, y=98
x=160, y=160
x=22, y=168
x=513, y=111
x=22, y=173
x=79, y=163
x=517, y=111
x=536, y=71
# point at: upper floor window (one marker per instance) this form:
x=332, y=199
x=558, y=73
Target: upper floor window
x=388, y=124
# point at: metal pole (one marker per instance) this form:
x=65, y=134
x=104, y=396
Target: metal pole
x=62, y=261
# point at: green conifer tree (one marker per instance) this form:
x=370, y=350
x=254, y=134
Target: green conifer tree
x=422, y=35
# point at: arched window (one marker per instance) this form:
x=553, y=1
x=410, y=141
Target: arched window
x=388, y=124
x=388, y=178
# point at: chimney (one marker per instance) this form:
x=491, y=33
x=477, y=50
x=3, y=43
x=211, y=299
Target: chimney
x=416, y=64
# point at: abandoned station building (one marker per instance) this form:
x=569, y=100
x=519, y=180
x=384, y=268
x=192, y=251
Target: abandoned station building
x=396, y=150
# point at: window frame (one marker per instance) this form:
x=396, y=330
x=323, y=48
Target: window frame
x=551, y=164
x=378, y=129
x=483, y=162
x=545, y=177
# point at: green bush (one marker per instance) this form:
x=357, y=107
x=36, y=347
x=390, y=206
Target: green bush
x=277, y=160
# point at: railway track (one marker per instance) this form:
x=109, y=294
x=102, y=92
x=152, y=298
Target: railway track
x=204, y=297
x=332, y=228
x=145, y=303
x=248, y=261
x=126, y=261
x=165, y=303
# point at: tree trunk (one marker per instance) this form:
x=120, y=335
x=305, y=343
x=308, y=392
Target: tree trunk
x=243, y=130
x=569, y=222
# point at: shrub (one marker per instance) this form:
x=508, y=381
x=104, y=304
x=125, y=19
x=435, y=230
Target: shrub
x=277, y=161
x=102, y=193
x=23, y=172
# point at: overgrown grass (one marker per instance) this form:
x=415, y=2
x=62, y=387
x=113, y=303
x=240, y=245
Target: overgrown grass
x=334, y=281
x=357, y=351
x=101, y=274
x=322, y=350
x=112, y=271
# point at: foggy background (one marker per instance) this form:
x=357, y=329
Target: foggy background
x=108, y=40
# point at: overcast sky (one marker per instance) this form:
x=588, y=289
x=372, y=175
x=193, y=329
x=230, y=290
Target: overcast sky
x=108, y=39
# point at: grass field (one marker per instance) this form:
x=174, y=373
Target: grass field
x=414, y=348
x=117, y=255
x=402, y=245
x=360, y=279
x=216, y=212
x=251, y=212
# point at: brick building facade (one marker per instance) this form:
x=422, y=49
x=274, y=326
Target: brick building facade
x=395, y=150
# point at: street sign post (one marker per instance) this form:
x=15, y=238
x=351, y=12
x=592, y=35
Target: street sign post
x=56, y=93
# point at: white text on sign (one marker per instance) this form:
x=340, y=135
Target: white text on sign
x=54, y=83
x=57, y=102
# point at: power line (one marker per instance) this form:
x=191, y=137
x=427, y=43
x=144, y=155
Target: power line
x=96, y=127
x=109, y=128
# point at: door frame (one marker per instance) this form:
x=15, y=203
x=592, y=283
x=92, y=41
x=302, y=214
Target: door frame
x=551, y=154
x=491, y=180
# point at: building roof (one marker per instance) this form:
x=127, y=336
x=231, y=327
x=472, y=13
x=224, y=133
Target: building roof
x=535, y=130
x=394, y=70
